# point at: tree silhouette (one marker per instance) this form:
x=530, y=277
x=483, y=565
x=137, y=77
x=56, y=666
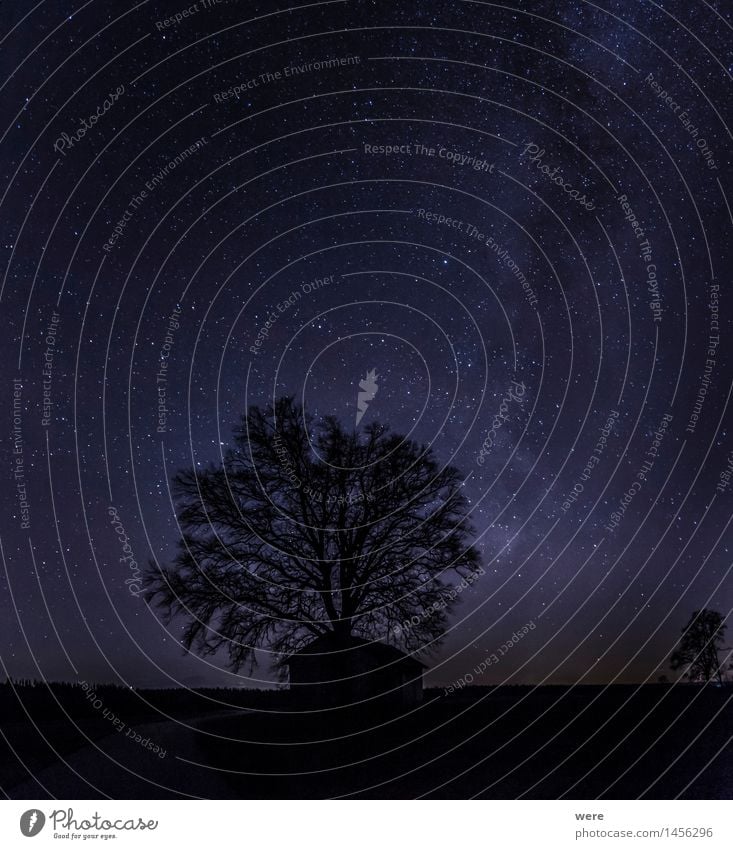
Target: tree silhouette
x=697, y=651
x=308, y=530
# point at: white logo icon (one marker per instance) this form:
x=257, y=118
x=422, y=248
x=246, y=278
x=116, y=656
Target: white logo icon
x=31, y=822
x=368, y=386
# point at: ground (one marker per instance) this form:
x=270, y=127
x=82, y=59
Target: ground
x=654, y=742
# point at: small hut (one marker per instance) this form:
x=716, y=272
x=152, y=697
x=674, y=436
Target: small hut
x=328, y=673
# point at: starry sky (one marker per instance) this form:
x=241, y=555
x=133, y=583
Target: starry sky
x=467, y=197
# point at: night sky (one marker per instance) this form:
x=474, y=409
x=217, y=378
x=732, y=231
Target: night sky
x=465, y=197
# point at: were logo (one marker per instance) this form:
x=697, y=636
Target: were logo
x=31, y=822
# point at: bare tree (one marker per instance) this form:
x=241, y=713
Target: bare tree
x=697, y=651
x=307, y=530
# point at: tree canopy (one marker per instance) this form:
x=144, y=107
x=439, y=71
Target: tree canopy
x=697, y=652
x=307, y=529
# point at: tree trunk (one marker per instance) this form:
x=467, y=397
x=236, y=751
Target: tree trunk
x=342, y=630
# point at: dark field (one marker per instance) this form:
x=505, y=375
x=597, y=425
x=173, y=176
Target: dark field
x=655, y=742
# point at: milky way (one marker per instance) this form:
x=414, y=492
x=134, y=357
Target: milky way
x=516, y=217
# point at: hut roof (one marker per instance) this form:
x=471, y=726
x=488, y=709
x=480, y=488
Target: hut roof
x=329, y=645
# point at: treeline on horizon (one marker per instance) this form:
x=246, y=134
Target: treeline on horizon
x=21, y=698
x=47, y=700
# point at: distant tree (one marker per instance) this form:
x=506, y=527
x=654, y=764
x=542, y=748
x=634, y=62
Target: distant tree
x=309, y=530
x=698, y=648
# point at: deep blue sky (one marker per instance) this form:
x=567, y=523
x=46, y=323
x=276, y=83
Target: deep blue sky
x=285, y=189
